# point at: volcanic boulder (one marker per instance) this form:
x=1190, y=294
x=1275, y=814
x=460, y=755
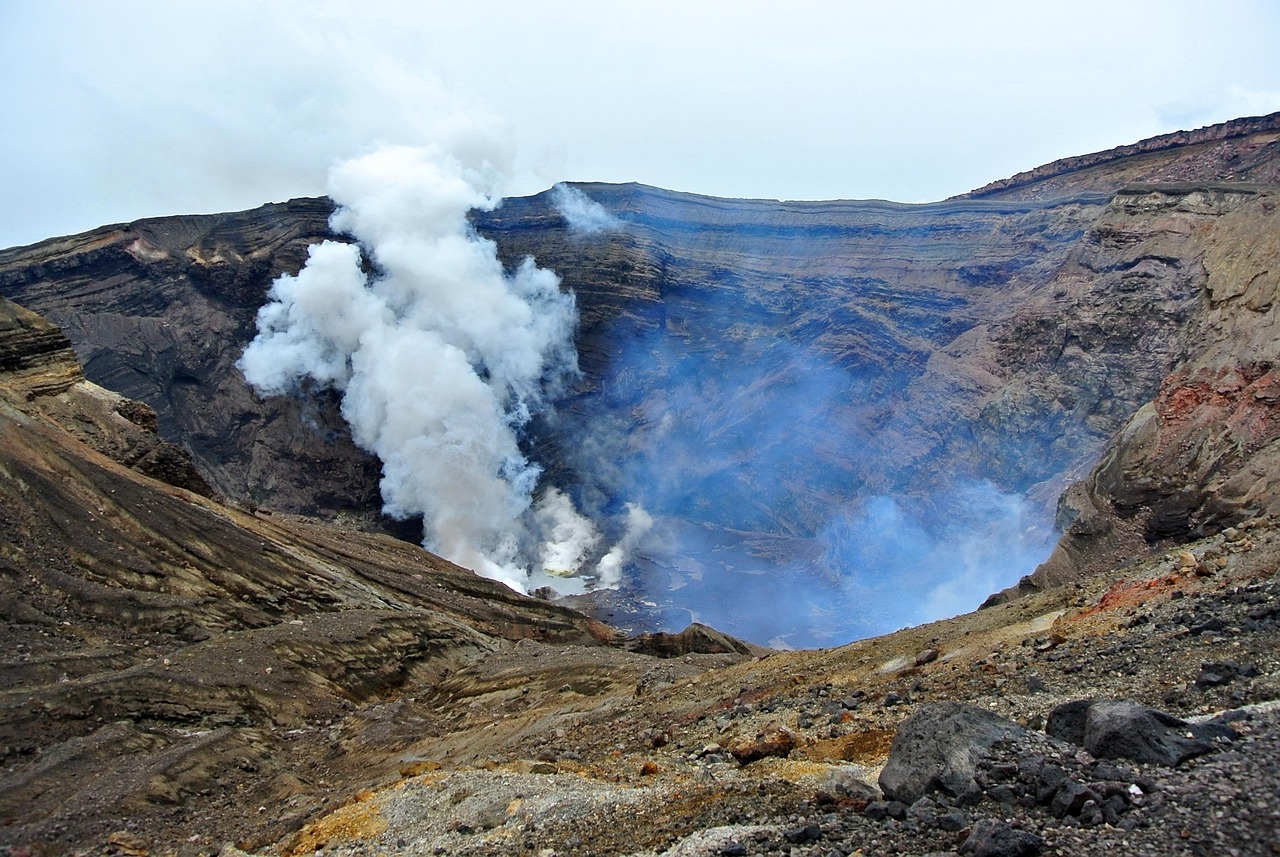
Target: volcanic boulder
x=939, y=747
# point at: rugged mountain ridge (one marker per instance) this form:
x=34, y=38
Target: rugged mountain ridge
x=180, y=672
x=1002, y=339
x=1240, y=150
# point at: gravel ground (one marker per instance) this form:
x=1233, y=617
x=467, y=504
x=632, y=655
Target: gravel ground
x=671, y=767
x=1225, y=803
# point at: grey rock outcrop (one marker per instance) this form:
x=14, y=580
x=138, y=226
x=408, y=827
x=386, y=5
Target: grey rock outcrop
x=991, y=838
x=1118, y=729
x=939, y=747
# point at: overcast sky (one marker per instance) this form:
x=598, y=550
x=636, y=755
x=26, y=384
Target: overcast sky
x=123, y=109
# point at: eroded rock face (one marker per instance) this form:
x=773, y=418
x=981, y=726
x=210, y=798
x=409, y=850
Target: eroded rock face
x=761, y=374
x=34, y=354
x=160, y=310
x=1201, y=455
x=933, y=359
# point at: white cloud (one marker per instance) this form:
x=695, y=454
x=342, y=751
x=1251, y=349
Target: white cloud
x=115, y=111
x=1230, y=103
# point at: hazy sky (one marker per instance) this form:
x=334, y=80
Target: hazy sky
x=123, y=109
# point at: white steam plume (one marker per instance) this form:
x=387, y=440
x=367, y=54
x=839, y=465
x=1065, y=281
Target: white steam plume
x=583, y=214
x=569, y=536
x=441, y=355
x=609, y=569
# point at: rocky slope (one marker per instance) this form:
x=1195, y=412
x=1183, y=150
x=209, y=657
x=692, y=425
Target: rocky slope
x=1243, y=150
x=159, y=312
x=180, y=676
x=186, y=675
x=160, y=646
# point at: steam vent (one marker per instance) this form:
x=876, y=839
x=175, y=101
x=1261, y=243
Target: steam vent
x=619, y=521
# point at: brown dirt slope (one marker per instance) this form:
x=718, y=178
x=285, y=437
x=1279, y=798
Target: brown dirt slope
x=161, y=648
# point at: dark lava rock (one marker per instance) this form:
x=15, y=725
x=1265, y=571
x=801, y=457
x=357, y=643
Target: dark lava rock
x=995, y=839
x=1049, y=778
x=1066, y=722
x=924, y=812
x=1214, y=675
x=1116, y=729
x=1211, y=626
x=928, y=656
x=878, y=810
x=938, y=749
x=1070, y=798
x=808, y=833
x=1218, y=673
x=844, y=784
x=1104, y=770
x=1002, y=794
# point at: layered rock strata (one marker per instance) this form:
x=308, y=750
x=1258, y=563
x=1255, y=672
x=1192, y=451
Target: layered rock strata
x=1005, y=338
x=1201, y=454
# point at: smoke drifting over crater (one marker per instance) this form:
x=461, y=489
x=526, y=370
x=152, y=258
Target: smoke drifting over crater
x=441, y=355
x=723, y=468
x=755, y=379
x=583, y=214
x=748, y=454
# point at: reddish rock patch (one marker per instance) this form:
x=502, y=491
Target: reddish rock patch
x=1128, y=593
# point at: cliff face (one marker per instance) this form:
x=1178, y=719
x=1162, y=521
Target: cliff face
x=1202, y=453
x=907, y=352
x=769, y=379
x=160, y=310
x=868, y=292
x=159, y=645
